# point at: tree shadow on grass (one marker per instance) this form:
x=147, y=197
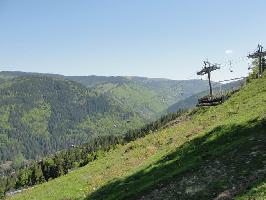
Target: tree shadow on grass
x=223, y=163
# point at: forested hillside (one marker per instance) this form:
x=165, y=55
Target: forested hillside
x=44, y=113
x=207, y=153
x=41, y=115
x=149, y=97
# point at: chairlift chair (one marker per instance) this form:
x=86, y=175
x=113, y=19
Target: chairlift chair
x=231, y=68
x=182, y=90
x=249, y=66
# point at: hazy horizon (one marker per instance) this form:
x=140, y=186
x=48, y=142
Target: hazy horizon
x=126, y=76
x=168, y=39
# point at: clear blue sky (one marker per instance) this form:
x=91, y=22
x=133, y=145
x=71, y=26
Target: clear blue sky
x=153, y=38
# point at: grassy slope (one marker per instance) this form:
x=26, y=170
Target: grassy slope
x=258, y=192
x=215, y=152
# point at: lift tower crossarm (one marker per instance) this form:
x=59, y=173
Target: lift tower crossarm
x=258, y=54
x=207, y=69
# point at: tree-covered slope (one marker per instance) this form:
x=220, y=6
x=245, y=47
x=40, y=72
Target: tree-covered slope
x=40, y=115
x=208, y=153
x=149, y=97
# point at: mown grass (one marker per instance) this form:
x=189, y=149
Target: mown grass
x=208, y=153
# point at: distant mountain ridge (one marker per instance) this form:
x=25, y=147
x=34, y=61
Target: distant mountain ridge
x=149, y=96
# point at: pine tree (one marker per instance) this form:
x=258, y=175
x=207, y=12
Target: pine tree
x=37, y=175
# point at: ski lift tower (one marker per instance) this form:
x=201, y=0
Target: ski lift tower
x=207, y=69
x=259, y=53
